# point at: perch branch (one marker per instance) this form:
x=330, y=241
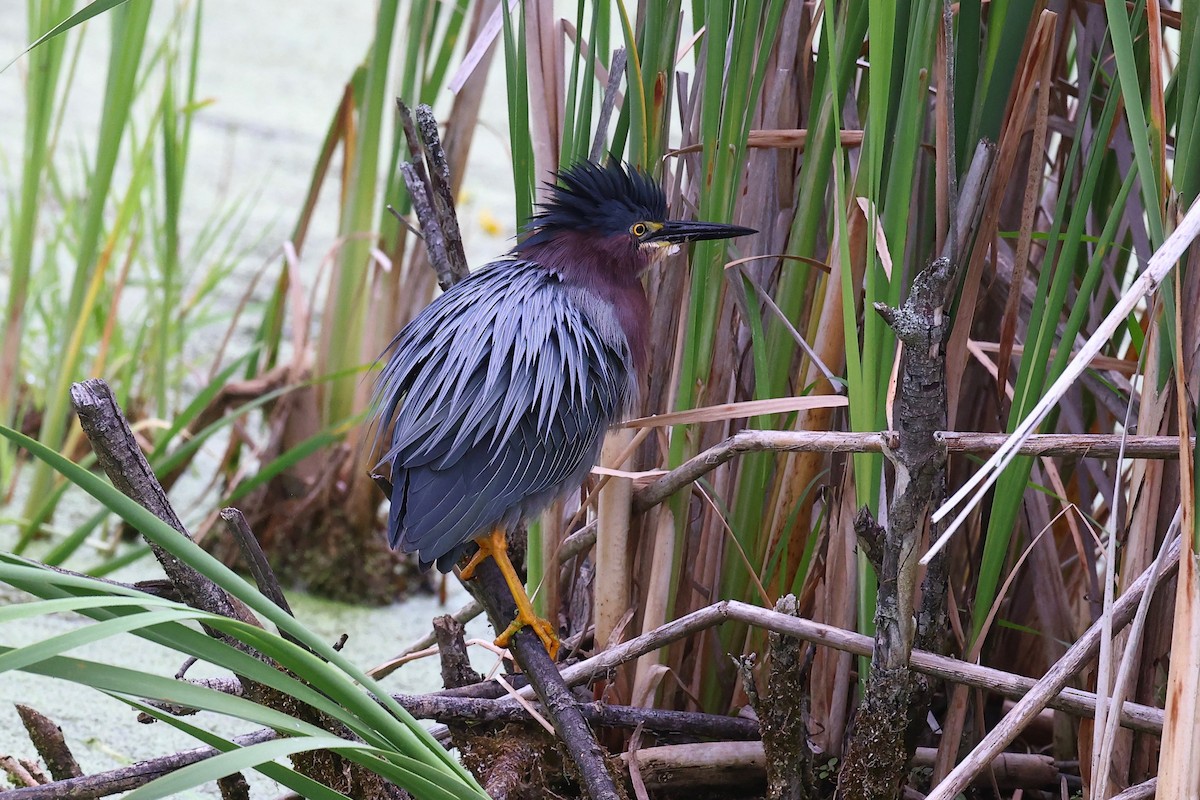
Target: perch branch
x=546, y=681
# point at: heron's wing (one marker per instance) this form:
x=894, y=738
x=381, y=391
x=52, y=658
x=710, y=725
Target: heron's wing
x=497, y=395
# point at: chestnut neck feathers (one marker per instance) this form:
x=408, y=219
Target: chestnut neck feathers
x=607, y=268
x=582, y=232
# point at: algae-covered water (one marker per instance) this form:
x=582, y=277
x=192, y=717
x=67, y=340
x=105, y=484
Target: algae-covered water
x=271, y=73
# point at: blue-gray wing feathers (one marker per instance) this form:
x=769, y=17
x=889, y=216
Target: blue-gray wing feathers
x=497, y=397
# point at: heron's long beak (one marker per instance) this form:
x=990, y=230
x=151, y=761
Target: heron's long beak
x=679, y=231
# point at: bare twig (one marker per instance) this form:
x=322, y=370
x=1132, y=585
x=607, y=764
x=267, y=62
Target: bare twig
x=470, y=611
x=1073, y=701
x=20, y=772
x=443, y=195
x=427, y=177
x=456, y=664
x=255, y=558
x=1068, y=445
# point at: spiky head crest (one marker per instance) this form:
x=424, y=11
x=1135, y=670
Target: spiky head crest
x=602, y=199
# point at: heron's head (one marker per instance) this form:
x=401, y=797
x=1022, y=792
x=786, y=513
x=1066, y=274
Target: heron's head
x=614, y=207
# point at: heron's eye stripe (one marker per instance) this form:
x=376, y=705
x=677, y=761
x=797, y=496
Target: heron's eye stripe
x=638, y=229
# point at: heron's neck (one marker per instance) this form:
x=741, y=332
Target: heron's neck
x=608, y=268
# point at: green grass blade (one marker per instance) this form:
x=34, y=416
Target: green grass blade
x=78, y=18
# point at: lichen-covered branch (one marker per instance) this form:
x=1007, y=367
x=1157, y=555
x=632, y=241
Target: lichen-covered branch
x=783, y=714
x=876, y=763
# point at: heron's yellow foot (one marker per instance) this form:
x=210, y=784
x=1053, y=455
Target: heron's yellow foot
x=540, y=626
x=495, y=545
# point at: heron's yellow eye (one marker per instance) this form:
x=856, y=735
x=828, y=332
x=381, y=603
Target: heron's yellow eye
x=638, y=229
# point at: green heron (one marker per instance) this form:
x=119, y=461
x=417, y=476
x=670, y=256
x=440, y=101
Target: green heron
x=499, y=393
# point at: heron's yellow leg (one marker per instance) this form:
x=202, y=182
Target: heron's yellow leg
x=495, y=545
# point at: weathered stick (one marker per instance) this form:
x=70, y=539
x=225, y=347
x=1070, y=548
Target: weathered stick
x=678, y=767
x=125, y=779
x=784, y=712
x=548, y=684
x=427, y=177
x=118, y=454
x=442, y=195
x=255, y=558
x=1140, y=791
x=497, y=761
x=685, y=723
x=48, y=740
x=22, y=771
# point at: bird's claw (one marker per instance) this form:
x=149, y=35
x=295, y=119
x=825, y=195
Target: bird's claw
x=468, y=571
x=541, y=627
x=495, y=545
